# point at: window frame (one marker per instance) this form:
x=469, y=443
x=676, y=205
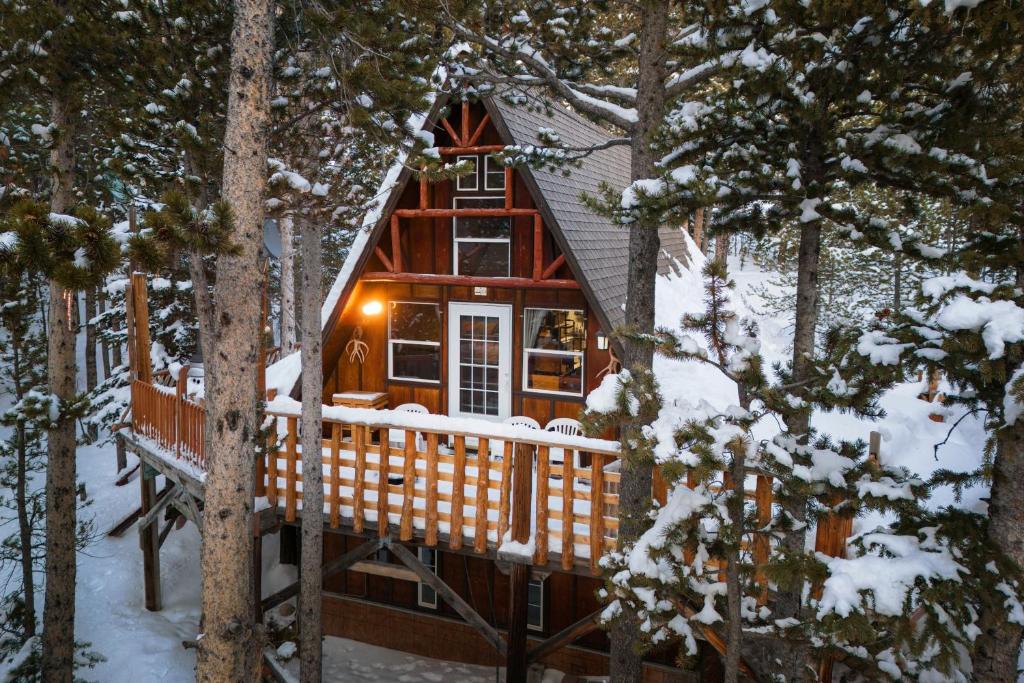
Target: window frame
x=475, y=175
x=415, y=342
x=480, y=240
x=538, y=626
x=421, y=585
x=582, y=354
x=488, y=160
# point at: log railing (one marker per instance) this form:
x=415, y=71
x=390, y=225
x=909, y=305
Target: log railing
x=454, y=488
x=447, y=482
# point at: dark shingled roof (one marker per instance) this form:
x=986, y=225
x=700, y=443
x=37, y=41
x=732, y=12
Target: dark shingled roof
x=597, y=248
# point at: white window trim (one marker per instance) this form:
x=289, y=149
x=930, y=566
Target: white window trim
x=488, y=160
x=475, y=175
x=582, y=354
x=414, y=342
x=478, y=240
x=540, y=626
x=419, y=586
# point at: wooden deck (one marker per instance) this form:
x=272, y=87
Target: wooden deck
x=442, y=486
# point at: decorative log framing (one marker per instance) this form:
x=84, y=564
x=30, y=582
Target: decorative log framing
x=396, y=244
x=469, y=281
x=477, y=149
x=498, y=212
x=538, y=247
x=384, y=259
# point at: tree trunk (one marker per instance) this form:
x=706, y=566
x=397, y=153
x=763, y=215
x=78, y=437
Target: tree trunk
x=90, y=339
x=228, y=650
x=288, y=324
x=626, y=665
x=792, y=655
x=101, y=308
x=21, y=493
x=897, y=282
x=310, y=628
x=59, y=608
x=734, y=588
x=999, y=643
x=722, y=248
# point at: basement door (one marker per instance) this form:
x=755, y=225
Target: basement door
x=479, y=360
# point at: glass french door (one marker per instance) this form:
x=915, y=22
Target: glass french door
x=479, y=360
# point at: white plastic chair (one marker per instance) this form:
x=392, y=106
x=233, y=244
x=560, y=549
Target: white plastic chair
x=569, y=427
x=498, y=447
x=398, y=436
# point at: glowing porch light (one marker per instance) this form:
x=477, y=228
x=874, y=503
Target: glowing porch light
x=373, y=308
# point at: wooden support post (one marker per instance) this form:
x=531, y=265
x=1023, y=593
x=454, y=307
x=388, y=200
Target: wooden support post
x=290, y=493
x=517, y=662
x=483, y=483
x=458, y=494
x=504, y=501
x=509, y=199
x=568, y=514
x=140, y=305
x=538, y=247
x=519, y=577
x=359, y=436
x=272, y=454
x=408, y=485
x=596, y=510
x=335, y=475
x=430, y=535
x=543, y=493
x=382, y=484
x=465, y=124
x=150, y=543
x=874, y=446
x=396, y=245
x=424, y=189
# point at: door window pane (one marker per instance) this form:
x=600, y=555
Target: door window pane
x=479, y=358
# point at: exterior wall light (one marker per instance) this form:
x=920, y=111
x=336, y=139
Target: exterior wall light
x=602, y=341
x=373, y=308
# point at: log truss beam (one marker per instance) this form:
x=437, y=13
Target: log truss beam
x=330, y=568
x=565, y=637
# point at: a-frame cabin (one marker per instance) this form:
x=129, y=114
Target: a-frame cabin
x=490, y=296
x=465, y=516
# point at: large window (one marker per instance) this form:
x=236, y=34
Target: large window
x=553, y=345
x=482, y=243
x=535, y=605
x=426, y=595
x=414, y=341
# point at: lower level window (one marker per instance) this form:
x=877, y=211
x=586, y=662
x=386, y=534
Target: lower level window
x=553, y=345
x=535, y=606
x=427, y=596
x=414, y=341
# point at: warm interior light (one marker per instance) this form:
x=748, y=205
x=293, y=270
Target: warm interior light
x=372, y=308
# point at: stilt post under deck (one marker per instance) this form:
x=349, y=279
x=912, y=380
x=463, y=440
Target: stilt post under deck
x=150, y=542
x=519, y=578
x=257, y=569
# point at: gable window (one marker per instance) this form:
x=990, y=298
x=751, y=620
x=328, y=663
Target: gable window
x=426, y=596
x=494, y=173
x=482, y=243
x=553, y=345
x=414, y=341
x=471, y=180
x=535, y=605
